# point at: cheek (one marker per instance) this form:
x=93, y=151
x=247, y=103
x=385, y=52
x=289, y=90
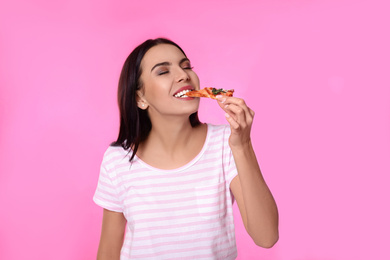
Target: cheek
x=153, y=97
x=156, y=95
x=153, y=90
x=195, y=78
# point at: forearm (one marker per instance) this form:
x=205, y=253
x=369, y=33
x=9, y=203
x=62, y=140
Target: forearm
x=260, y=207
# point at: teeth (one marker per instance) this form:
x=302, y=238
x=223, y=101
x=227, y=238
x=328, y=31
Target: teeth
x=182, y=93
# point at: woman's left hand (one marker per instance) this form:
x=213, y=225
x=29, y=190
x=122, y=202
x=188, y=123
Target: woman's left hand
x=240, y=118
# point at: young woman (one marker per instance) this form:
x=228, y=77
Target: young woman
x=168, y=183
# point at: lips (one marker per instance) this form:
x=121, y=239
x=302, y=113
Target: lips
x=181, y=91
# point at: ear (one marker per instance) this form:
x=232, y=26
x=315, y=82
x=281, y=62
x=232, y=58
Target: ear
x=141, y=102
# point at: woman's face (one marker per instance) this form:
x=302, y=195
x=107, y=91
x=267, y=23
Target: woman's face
x=166, y=72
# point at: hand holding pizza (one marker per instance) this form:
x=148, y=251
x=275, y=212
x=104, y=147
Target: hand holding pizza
x=238, y=114
x=240, y=118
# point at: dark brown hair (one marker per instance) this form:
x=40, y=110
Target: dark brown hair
x=135, y=124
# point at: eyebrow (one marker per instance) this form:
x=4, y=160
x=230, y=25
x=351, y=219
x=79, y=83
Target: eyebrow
x=166, y=63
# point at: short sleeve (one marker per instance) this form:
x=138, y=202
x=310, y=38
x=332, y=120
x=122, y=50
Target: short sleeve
x=106, y=194
x=229, y=163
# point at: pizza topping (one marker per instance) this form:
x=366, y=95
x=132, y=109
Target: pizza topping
x=218, y=91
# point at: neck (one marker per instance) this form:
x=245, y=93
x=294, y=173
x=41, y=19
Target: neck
x=170, y=135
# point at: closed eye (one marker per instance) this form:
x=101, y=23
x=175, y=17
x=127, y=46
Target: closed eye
x=186, y=64
x=163, y=72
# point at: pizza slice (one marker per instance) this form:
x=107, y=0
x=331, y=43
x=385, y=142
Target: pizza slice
x=210, y=93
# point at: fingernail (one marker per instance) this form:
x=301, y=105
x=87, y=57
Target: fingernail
x=220, y=98
x=227, y=115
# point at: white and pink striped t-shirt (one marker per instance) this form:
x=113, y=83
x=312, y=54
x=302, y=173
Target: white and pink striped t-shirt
x=185, y=213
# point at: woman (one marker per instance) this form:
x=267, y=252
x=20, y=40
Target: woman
x=168, y=183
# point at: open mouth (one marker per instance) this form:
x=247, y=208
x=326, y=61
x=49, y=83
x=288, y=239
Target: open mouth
x=182, y=94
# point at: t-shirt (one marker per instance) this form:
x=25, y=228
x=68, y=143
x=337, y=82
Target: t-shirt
x=184, y=213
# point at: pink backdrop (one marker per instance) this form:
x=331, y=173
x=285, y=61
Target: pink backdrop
x=315, y=72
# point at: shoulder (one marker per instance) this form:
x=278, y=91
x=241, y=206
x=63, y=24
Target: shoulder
x=114, y=155
x=218, y=131
x=218, y=128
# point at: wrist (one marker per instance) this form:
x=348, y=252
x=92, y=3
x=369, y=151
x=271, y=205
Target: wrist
x=242, y=147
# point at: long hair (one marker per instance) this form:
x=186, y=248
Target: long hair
x=135, y=124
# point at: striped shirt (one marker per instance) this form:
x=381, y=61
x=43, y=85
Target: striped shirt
x=184, y=213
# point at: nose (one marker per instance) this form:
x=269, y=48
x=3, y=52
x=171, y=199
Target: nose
x=182, y=75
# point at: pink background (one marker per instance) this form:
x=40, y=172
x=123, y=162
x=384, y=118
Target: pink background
x=315, y=72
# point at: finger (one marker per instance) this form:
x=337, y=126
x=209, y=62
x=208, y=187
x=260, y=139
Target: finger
x=227, y=109
x=249, y=113
x=233, y=123
x=231, y=100
x=238, y=113
x=250, y=119
x=221, y=103
x=238, y=102
x=252, y=112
